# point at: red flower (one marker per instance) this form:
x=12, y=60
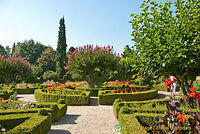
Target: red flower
x=198, y=96
x=168, y=82
x=174, y=79
x=191, y=94
x=181, y=117
x=192, y=89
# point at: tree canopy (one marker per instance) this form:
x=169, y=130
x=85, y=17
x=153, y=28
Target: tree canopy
x=167, y=41
x=30, y=50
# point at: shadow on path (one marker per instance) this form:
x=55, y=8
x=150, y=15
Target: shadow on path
x=93, y=101
x=58, y=131
x=67, y=119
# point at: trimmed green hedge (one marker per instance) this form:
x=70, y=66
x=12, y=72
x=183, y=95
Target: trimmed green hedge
x=93, y=91
x=57, y=113
x=138, y=123
x=26, y=123
x=82, y=99
x=105, y=98
x=5, y=94
x=130, y=124
x=25, y=90
x=119, y=103
x=21, y=90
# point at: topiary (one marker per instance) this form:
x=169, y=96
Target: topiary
x=42, y=112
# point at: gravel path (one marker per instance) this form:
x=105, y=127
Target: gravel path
x=91, y=119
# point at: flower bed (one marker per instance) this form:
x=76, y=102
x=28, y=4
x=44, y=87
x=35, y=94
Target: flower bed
x=120, y=87
x=71, y=97
x=128, y=94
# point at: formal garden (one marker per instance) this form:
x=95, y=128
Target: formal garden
x=164, y=60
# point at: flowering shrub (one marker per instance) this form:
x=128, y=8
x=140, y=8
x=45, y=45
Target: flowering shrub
x=93, y=63
x=13, y=67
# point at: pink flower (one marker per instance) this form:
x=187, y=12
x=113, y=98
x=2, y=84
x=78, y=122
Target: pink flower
x=82, y=58
x=69, y=62
x=74, y=52
x=66, y=67
x=70, y=56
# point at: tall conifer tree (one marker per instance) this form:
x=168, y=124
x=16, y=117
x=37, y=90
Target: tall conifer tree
x=61, y=49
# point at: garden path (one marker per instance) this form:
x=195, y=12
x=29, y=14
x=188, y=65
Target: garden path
x=90, y=119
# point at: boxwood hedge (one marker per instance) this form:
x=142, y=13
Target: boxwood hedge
x=105, y=98
x=82, y=99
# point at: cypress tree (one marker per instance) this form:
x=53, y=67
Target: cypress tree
x=61, y=49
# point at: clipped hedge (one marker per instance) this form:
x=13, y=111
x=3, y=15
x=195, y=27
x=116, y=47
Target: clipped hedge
x=5, y=94
x=26, y=123
x=82, y=99
x=130, y=124
x=138, y=123
x=119, y=103
x=25, y=90
x=57, y=114
x=105, y=98
x=93, y=91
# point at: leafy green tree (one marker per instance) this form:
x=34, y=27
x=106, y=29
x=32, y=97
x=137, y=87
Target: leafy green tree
x=8, y=51
x=168, y=42
x=124, y=70
x=47, y=59
x=50, y=75
x=29, y=50
x=72, y=49
x=126, y=52
x=61, y=49
x=2, y=50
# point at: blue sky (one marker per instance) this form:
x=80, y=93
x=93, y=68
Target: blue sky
x=97, y=22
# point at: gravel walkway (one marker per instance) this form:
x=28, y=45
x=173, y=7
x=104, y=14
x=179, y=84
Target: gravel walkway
x=91, y=119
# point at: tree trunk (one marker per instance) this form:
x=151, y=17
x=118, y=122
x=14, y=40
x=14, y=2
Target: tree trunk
x=184, y=86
